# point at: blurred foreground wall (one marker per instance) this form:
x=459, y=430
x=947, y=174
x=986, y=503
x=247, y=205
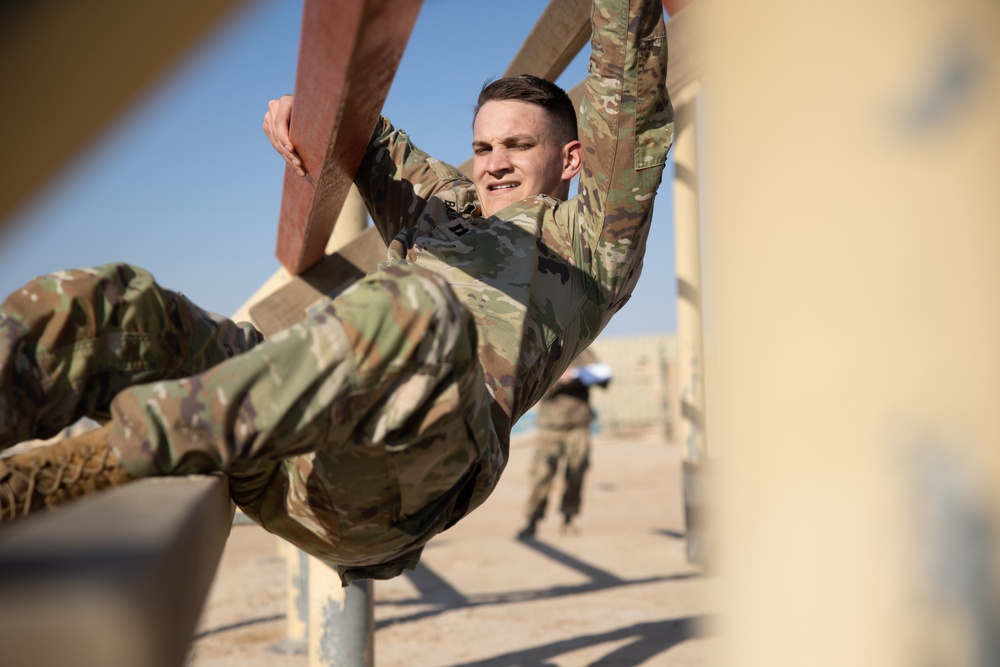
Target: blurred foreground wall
x=70, y=67
x=853, y=327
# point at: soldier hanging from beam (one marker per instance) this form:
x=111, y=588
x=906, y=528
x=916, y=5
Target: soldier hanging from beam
x=383, y=418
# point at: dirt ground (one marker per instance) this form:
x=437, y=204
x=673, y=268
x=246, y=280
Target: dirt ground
x=620, y=592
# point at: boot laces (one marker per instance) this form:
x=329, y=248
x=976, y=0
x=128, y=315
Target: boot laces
x=48, y=475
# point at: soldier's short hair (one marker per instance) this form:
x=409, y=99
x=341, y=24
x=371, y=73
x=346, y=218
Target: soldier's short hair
x=533, y=90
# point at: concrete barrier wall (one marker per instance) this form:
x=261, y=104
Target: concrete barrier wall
x=640, y=394
x=116, y=579
x=643, y=392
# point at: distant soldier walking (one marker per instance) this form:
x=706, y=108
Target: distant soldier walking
x=564, y=417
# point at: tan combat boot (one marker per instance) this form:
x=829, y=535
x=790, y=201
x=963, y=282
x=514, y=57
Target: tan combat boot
x=49, y=475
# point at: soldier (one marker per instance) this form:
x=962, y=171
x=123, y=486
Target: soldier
x=384, y=417
x=564, y=417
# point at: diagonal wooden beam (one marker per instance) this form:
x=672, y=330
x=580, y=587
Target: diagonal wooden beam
x=349, y=52
x=292, y=301
x=559, y=34
x=71, y=67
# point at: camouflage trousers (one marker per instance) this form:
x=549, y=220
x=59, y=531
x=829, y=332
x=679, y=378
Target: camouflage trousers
x=571, y=445
x=356, y=435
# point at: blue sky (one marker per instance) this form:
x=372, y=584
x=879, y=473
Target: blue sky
x=185, y=184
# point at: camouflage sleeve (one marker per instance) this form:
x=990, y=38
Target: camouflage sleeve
x=626, y=128
x=396, y=179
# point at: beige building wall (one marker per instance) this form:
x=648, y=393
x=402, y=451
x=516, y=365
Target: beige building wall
x=640, y=394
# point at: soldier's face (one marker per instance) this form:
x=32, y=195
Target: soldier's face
x=516, y=155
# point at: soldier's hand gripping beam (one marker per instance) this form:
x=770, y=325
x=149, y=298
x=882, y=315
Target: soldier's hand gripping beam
x=348, y=55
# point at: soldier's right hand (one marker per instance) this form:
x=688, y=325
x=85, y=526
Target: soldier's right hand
x=277, y=121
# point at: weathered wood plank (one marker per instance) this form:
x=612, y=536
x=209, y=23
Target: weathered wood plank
x=349, y=51
x=71, y=67
x=291, y=302
x=559, y=34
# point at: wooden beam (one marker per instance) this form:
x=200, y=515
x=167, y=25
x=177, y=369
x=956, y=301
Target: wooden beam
x=349, y=51
x=291, y=302
x=71, y=67
x=559, y=34
x=117, y=578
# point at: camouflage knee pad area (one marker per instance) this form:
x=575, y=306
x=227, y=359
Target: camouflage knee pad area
x=364, y=369
x=71, y=340
x=356, y=434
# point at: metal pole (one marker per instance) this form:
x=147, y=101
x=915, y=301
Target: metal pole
x=341, y=620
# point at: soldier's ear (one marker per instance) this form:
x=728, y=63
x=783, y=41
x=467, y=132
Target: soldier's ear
x=572, y=160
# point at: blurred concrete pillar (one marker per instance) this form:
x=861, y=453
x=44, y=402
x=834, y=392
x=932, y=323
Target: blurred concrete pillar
x=687, y=234
x=855, y=276
x=690, y=376
x=296, y=636
x=352, y=221
x=341, y=620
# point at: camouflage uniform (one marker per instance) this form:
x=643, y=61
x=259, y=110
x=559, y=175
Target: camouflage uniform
x=564, y=417
x=383, y=418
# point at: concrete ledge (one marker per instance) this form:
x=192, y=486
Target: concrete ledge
x=115, y=579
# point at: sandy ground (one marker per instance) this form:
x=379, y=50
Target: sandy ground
x=619, y=592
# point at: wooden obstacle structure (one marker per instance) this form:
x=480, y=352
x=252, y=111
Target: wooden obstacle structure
x=123, y=575
x=121, y=555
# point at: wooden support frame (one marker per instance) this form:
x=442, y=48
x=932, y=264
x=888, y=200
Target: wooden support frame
x=561, y=32
x=349, y=51
x=334, y=273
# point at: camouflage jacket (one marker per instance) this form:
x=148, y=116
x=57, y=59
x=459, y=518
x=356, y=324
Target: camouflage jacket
x=542, y=277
